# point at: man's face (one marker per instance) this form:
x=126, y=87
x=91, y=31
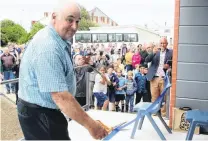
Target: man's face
x=79, y=61
x=163, y=43
x=67, y=22
x=149, y=48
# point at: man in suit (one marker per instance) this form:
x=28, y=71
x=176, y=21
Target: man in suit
x=160, y=63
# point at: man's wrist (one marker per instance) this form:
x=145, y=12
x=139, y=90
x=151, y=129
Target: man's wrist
x=88, y=122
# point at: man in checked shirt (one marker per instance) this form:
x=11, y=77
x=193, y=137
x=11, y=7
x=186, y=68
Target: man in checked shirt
x=47, y=82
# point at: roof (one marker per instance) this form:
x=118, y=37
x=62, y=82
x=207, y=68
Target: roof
x=126, y=26
x=102, y=12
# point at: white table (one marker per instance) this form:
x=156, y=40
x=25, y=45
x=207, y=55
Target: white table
x=79, y=133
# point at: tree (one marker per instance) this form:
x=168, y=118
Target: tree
x=11, y=32
x=35, y=28
x=85, y=22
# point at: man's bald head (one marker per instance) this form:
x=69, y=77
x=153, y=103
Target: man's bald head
x=65, y=18
x=64, y=5
x=163, y=43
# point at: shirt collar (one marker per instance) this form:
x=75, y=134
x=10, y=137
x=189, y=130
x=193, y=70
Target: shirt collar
x=65, y=44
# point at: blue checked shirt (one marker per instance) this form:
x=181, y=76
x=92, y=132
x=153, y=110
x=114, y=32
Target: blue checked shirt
x=46, y=67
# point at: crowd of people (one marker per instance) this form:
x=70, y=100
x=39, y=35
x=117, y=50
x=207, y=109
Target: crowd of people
x=128, y=73
x=122, y=81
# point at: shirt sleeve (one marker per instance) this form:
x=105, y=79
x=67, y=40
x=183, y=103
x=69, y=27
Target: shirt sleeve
x=49, y=70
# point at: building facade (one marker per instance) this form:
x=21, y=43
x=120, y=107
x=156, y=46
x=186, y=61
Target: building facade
x=101, y=18
x=190, y=63
x=96, y=16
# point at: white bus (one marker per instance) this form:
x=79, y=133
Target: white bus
x=116, y=35
x=93, y=37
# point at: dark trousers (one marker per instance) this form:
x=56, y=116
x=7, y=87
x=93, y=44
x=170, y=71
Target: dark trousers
x=143, y=96
x=40, y=123
x=16, y=91
x=81, y=100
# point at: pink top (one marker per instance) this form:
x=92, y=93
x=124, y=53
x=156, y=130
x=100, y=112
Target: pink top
x=136, y=59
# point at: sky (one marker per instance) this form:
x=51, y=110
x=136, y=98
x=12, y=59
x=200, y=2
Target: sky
x=124, y=12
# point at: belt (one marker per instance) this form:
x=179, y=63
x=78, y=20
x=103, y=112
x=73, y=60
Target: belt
x=31, y=105
x=159, y=76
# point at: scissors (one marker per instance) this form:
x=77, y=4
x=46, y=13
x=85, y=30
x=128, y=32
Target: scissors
x=109, y=129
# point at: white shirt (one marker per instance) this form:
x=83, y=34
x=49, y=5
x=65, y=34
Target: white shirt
x=98, y=87
x=160, y=71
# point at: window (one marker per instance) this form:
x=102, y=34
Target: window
x=130, y=38
x=133, y=38
x=94, y=38
x=86, y=38
x=77, y=37
x=108, y=20
x=126, y=37
x=119, y=38
x=99, y=38
x=83, y=38
x=102, y=38
x=111, y=37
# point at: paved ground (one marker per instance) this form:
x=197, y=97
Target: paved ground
x=10, y=128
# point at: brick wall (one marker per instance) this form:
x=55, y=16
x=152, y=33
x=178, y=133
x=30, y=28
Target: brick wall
x=175, y=60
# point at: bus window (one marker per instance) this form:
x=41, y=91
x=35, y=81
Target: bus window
x=102, y=38
x=127, y=37
x=119, y=38
x=133, y=38
x=77, y=37
x=111, y=37
x=86, y=38
x=94, y=38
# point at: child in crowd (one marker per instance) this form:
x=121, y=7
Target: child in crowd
x=120, y=91
x=141, y=81
x=112, y=87
x=120, y=65
x=136, y=70
x=100, y=89
x=131, y=88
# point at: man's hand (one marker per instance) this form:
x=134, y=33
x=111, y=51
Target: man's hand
x=114, y=83
x=97, y=131
x=104, y=77
x=155, y=50
x=119, y=89
x=86, y=59
x=166, y=66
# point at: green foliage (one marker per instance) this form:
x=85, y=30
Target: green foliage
x=35, y=28
x=4, y=39
x=85, y=22
x=11, y=32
